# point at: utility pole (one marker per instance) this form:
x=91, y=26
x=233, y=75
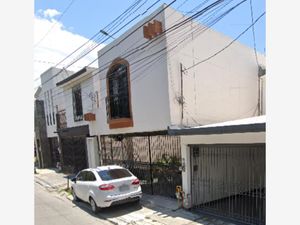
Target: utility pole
x=181, y=89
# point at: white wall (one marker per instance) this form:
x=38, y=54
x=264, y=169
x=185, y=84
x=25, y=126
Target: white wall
x=221, y=89
x=149, y=88
x=92, y=152
x=86, y=84
x=236, y=138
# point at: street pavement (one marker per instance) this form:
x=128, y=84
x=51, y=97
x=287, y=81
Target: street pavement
x=51, y=208
x=55, y=206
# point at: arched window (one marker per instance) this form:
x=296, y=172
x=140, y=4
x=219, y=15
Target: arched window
x=118, y=95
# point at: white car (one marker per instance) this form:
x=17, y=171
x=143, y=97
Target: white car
x=105, y=186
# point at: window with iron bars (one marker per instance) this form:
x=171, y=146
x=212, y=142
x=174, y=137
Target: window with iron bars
x=117, y=101
x=77, y=103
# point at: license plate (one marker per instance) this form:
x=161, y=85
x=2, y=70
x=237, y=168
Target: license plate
x=124, y=188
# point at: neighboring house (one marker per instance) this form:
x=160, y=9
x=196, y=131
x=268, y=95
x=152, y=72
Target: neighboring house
x=78, y=100
x=66, y=100
x=52, y=103
x=149, y=82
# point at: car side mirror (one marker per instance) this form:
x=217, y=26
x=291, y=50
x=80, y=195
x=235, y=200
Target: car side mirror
x=73, y=179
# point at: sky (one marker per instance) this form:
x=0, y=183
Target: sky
x=61, y=26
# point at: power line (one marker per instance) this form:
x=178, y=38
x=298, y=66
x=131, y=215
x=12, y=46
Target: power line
x=213, y=22
x=96, y=34
x=114, y=24
x=223, y=48
x=71, y=3
x=145, y=12
x=176, y=27
x=253, y=33
x=117, y=32
x=104, y=28
x=218, y=52
x=172, y=28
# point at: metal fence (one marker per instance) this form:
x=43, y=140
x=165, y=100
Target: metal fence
x=229, y=180
x=154, y=159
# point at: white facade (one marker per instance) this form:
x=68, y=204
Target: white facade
x=221, y=89
x=86, y=85
x=149, y=85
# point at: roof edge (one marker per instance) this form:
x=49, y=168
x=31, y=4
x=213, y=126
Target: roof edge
x=240, y=128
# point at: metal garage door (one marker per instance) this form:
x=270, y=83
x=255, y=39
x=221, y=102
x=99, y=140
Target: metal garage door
x=229, y=180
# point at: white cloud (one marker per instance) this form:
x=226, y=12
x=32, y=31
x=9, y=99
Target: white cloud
x=58, y=44
x=51, y=13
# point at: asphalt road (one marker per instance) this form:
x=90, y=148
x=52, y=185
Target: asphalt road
x=51, y=208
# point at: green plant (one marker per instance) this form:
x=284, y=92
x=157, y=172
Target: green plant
x=168, y=161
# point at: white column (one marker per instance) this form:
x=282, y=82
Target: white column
x=186, y=174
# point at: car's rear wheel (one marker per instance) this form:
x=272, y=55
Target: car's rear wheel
x=94, y=206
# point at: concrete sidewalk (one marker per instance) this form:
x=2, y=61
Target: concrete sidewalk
x=51, y=179
x=155, y=209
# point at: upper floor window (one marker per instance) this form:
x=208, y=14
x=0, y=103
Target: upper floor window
x=118, y=94
x=77, y=103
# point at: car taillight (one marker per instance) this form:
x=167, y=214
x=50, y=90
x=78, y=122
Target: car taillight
x=106, y=187
x=135, y=182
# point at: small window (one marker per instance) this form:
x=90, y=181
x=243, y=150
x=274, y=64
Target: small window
x=114, y=174
x=50, y=118
x=53, y=118
x=77, y=103
x=47, y=119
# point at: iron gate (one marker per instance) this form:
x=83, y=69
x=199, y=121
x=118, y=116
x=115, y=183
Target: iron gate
x=155, y=160
x=229, y=180
x=74, y=153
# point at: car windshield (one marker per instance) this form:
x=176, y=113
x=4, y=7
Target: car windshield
x=113, y=174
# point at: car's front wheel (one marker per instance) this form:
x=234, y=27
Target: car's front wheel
x=94, y=206
x=75, y=198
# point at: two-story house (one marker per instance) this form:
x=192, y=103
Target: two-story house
x=78, y=102
x=151, y=79
x=165, y=72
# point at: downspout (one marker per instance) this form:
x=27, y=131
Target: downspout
x=261, y=72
